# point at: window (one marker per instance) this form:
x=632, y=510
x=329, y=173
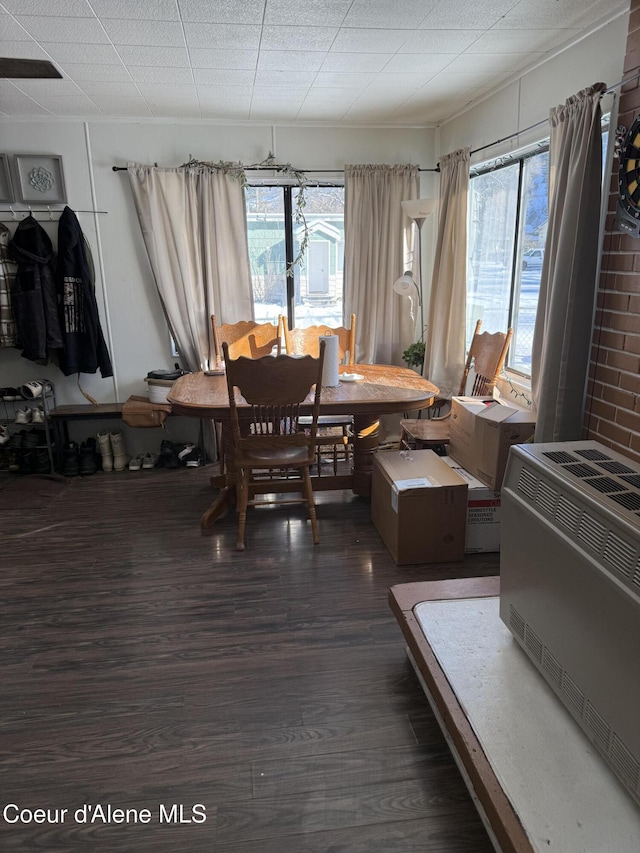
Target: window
x=507, y=233
x=508, y=209
x=314, y=294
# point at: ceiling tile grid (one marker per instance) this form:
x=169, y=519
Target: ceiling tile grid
x=410, y=62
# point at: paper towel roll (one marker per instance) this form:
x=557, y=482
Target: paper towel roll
x=330, y=373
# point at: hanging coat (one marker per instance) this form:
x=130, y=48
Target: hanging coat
x=85, y=349
x=8, y=337
x=34, y=293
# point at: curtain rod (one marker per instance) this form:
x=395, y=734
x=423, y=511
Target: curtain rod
x=279, y=169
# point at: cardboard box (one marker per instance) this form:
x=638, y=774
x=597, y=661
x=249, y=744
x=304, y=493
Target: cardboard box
x=482, y=431
x=483, y=513
x=419, y=507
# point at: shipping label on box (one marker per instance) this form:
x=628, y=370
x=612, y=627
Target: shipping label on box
x=483, y=513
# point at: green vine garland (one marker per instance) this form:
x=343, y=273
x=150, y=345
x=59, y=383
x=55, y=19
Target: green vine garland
x=237, y=171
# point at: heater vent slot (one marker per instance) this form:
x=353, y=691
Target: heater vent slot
x=568, y=514
x=619, y=554
x=629, y=500
x=605, y=484
x=598, y=728
x=573, y=695
x=516, y=623
x=579, y=469
x=533, y=642
x=546, y=497
x=592, y=454
x=527, y=484
x=615, y=468
x=624, y=763
x=552, y=667
x=636, y=574
x=591, y=532
x=560, y=456
x=632, y=480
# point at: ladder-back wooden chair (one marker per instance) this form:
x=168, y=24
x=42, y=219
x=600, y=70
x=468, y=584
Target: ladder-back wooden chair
x=486, y=357
x=266, y=435
x=334, y=431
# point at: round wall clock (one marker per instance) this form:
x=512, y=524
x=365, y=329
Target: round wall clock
x=628, y=207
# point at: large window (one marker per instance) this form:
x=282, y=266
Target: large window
x=507, y=232
x=314, y=293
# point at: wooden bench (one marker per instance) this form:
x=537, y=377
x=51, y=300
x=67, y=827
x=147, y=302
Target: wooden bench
x=61, y=415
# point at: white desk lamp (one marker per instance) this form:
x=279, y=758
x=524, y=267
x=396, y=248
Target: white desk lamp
x=418, y=210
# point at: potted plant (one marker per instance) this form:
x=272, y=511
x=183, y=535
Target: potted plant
x=413, y=356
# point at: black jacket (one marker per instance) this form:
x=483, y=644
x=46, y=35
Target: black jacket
x=34, y=293
x=85, y=349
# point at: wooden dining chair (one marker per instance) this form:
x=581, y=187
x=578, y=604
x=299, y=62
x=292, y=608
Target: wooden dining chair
x=486, y=357
x=266, y=434
x=334, y=431
x=246, y=337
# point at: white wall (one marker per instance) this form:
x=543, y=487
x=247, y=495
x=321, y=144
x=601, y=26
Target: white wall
x=527, y=101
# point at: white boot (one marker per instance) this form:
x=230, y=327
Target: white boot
x=120, y=458
x=104, y=448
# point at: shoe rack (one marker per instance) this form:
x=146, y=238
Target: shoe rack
x=20, y=413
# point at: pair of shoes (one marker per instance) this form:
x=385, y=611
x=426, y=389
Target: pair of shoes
x=135, y=463
x=190, y=456
x=112, y=450
x=24, y=415
x=71, y=460
x=4, y=434
x=10, y=394
x=143, y=460
x=169, y=454
x=37, y=415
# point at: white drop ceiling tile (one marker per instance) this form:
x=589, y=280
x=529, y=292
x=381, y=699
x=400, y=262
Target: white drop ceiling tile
x=16, y=102
x=271, y=113
x=321, y=112
x=131, y=108
x=356, y=61
x=407, y=83
x=71, y=8
x=306, y=13
x=244, y=60
x=366, y=113
x=169, y=57
x=514, y=41
x=290, y=60
x=11, y=30
x=81, y=30
x=297, y=38
x=103, y=54
x=279, y=93
x=530, y=13
x=405, y=14
x=222, y=11
x=224, y=95
x=160, y=76
x=486, y=63
x=150, y=10
x=97, y=73
x=440, y=41
x=149, y=33
x=22, y=50
x=100, y=90
x=168, y=92
x=232, y=112
x=419, y=62
x=39, y=89
x=462, y=15
x=343, y=80
x=79, y=107
x=369, y=41
x=293, y=79
x=224, y=36
x=223, y=77
x=320, y=95
x=176, y=109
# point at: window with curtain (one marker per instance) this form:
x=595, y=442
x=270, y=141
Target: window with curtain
x=508, y=201
x=314, y=294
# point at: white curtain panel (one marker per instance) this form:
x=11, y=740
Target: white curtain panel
x=445, y=352
x=194, y=228
x=564, y=320
x=378, y=235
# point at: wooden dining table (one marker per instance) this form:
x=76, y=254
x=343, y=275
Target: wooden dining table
x=383, y=389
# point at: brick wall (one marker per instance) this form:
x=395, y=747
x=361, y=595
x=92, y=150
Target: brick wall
x=613, y=396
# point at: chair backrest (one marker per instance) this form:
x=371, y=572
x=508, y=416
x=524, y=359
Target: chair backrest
x=273, y=387
x=487, y=355
x=246, y=337
x=305, y=341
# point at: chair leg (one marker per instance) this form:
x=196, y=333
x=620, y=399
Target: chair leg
x=242, y=487
x=308, y=494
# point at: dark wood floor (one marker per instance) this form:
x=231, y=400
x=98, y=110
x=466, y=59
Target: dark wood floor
x=145, y=664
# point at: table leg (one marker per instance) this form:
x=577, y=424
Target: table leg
x=226, y=482
x=366, y=430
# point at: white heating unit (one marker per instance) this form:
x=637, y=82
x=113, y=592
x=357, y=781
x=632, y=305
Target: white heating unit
x=570, y=586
